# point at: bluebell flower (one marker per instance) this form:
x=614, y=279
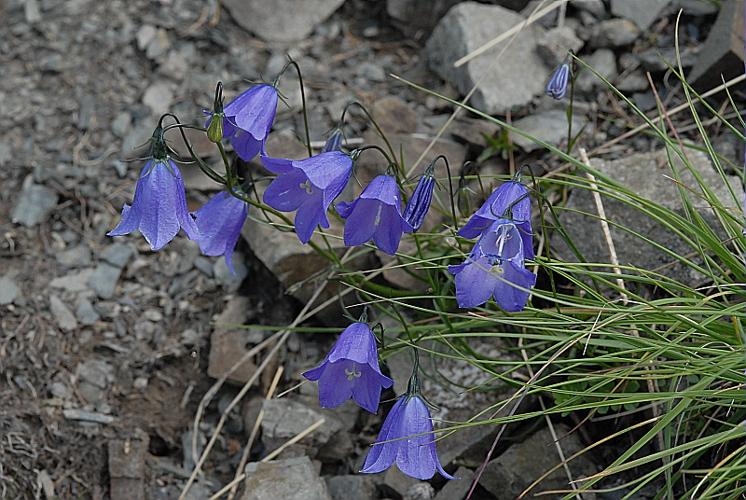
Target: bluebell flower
x=407, y=440
x=557, y=85
x=495, y=268
x=375, y=215
x=159, y=207
x=334, y=141
x=308, y=186
x=509, y=200
x=219, y=222
x=248, y=119
x=350, y=371
x=419, y=202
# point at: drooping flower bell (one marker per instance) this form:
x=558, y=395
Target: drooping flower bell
x=375, y=215
x=248, y=119
x=495, y=268
x=308, y=186
x=419, y=203
x=219, y=222
x=350, y=371
x=557, y=85
x=509, y=201
x=159, y=206
x=406, y=438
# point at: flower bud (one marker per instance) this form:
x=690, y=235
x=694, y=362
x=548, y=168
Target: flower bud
x=557, y=85
x=215, y=129
x=334, y=141
x=419, y=204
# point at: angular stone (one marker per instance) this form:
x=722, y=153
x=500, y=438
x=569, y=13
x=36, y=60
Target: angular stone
x=640, y=12
x=62, y=315
x=8, y=290
x=398, y=482
x=394, y=115
x=509, y=474
x=104, y=279
x=457, y=489
x=359, y=487
x=723, y=51
x=117, y=254
x=262, y=19
x=85, y=312
x=614, y=33
x=290, y=479
x=77, y=256
x=554, y=45
x=34, y=204
x=127, y=467
x=549, y=126
x=294, y=264
x=419, y=491
x=514, y=80
x=417, y=16
x=228, y=344
x=158, y=97
x=73, y=282
x=646, y=175
x=604, y=63
x=285, y=418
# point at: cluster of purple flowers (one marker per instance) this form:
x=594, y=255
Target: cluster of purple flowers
x=495, y=266
x=351, y=371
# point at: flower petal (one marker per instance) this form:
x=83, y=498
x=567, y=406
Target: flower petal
x=334, y=385
x=287, y=192
x=382, y=456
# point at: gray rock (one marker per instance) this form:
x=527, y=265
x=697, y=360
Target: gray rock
x=77, y=256
x=632, y=82
x=104, y=279
x=158, y=45
x=94, y=377
x=290, y=479
x=604, y=63
x=144, y=35
x=262, y=19
x=722, y=54
x=595, y=7
x=228, y=343
x=62, y=315
x=85, y=312
x=514, y=80
x=510, y=473
x=32, y=11
x=419, y=491
x=158, y=97
x=417, y=16
x=614, y=33
x=396, y=481
x=458, y=488
x=556, y=42
x=696, y=7
x=8, y=290
x=640, y=12
x=646, y=175
x=394, y=115
x=121, y=125
x=34, y=204
x=360, y=487
x=285, y=418
x=117, y=254
x=549, y=126
x=371, y=71
x=230, y=281
x=73, y=282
